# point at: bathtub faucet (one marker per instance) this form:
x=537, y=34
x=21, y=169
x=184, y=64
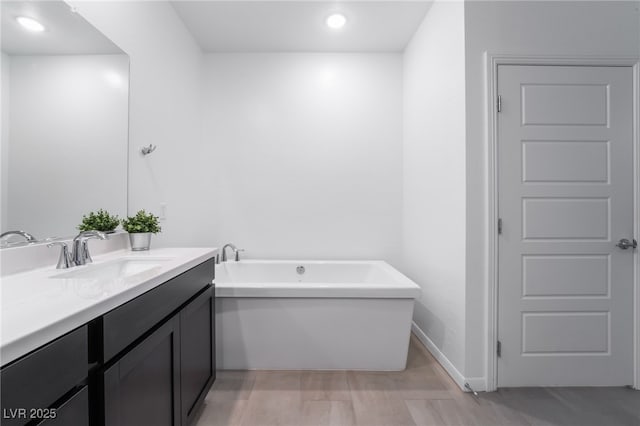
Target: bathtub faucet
x=235, y=249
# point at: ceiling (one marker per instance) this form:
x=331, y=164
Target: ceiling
x=67, y=33
x=285, y=26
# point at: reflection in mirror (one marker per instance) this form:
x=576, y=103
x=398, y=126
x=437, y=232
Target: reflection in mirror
x=64, y=102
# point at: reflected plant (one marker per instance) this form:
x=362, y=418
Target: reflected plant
x=99, y=221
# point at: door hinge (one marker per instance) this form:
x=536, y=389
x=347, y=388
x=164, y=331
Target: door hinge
x=499, y=103
x=499, y=226
x=499, y=349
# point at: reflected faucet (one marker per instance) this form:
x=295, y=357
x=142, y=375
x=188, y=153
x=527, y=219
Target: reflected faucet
x=235, y=249
x=30, y=238
x=80, y=254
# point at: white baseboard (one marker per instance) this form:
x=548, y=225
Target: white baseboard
x=476, y=383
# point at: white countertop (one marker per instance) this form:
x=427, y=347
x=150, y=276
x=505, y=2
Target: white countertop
x=36, y=308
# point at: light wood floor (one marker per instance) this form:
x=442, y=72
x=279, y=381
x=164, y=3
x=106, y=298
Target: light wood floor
x=423, y=394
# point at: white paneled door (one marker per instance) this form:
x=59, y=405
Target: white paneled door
x=565, y=185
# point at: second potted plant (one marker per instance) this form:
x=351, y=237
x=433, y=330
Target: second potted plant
x=140, y=227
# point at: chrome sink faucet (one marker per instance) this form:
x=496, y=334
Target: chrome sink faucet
x=80, y=254
x=27, y=236
x=235, y=249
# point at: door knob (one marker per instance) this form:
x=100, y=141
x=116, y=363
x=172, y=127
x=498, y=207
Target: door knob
x=625, y=244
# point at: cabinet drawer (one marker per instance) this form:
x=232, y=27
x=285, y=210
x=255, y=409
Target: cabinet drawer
x=75, y=411
x=125, y=324
x=44, y=376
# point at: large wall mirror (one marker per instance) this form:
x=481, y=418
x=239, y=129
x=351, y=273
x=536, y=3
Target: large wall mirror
x=65, y=119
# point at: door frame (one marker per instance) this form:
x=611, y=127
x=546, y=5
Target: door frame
x=492, y=61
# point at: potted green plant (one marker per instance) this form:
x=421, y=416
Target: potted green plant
x=140, y=227
x=99, y=221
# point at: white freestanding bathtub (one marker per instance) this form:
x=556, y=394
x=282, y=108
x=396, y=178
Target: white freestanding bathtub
x=312, y=315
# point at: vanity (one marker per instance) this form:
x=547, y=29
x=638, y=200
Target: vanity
x=127, y=340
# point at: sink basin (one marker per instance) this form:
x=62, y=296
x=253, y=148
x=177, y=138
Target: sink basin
x=117, y=269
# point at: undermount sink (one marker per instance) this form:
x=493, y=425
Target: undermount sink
x=117, y=269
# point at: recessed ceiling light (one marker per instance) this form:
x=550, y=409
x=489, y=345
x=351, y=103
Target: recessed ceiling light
x=30, y=24
x=336, y=21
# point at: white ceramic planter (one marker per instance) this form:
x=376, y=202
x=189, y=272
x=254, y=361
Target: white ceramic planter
x=140, y=240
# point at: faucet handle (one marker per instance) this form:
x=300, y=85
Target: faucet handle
x=64, y=261
x=83, y=245
x=81, y=255
x=85, y=250
x=237, y=253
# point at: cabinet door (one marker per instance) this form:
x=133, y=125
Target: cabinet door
x=197, y=352
x=143, y=387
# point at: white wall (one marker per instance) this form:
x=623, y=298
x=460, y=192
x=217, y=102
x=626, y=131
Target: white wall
x=307, y=153
x=346, y=140
x=165, y=110
x=4, y=137
x=434, y=177
x=67, y=141
x=526, y=28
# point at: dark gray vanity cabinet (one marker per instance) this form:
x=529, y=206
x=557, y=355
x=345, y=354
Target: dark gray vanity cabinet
x=164, y=346
x=150, y=361
x=48, y=384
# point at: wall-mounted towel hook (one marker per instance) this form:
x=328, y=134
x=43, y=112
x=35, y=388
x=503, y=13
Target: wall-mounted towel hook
x=146, y=150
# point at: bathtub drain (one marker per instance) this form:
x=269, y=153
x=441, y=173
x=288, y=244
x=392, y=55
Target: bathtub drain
x=300, y=270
